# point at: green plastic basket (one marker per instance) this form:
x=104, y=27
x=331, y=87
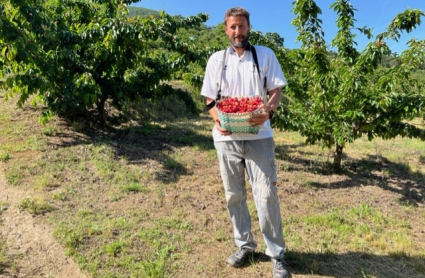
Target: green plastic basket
x=238, y=122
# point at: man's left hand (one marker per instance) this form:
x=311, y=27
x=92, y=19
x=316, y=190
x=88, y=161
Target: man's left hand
x=257, y=119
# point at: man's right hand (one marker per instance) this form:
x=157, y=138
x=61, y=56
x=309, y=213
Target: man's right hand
x=221, y=130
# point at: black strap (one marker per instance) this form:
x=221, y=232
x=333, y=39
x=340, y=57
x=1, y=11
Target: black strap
x=212, y=103
x=209, y=106
x=254, y=55
x=221, y=76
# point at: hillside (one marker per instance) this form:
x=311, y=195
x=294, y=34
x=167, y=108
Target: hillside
x=139, y=11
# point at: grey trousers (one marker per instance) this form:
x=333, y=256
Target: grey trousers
x=258, y=158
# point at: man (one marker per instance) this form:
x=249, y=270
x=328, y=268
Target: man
x=235, y=74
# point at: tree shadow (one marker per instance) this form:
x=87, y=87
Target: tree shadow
x=355, y=264
x=388, y=175
x=3, y=270
x=348, y=265
x=381, y=172
x=141, y=142
x=301, y=162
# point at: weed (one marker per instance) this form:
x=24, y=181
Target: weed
x=419, y=263
x=35, y=206
x=4, y=156
x=3, y=207
x=221, y=235
x=49, y=130
x=170, y=163
x=77, y=126
x=13, y=176
x=45, y=181
x=114, y=248
x=85, y=212
x=69, y=237
x=60, y=196
x=131, y=188
x=115, y=197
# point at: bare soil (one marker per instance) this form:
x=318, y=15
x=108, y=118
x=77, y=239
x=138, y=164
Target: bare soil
x=31, y=248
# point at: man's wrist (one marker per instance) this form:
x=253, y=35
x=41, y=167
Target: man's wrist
x=268, y=108
x=271, y=113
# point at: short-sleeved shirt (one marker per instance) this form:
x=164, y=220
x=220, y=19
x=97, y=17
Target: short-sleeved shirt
x=240, y=78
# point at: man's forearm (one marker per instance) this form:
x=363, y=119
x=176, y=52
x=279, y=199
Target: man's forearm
x=274, y=100
x=213, y=112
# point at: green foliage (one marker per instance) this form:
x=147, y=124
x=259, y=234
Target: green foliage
x=17, y=44
x=338, y=99
x=89, y=51
x=164, y=91
x=210, y=39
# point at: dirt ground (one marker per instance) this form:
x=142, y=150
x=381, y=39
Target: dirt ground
x=32, y=250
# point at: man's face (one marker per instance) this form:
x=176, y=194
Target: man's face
x=237, y=30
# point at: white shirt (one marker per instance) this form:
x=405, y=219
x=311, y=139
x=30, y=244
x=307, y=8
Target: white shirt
x=240, y=78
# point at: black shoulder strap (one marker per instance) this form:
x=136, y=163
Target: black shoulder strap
x=221, y=75
x=254, y=55
x=212, y=103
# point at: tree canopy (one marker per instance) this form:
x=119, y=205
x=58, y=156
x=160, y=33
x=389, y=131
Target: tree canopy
x=74, y=55
x=338, y=99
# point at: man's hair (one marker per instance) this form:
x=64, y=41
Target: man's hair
x=237, y=11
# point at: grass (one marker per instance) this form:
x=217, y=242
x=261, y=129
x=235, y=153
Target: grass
x=358, y=229
x=35, y=206
x=145, y=199
x=5, y=260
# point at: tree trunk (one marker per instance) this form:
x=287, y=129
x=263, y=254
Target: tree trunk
x=101, y=111
x=337, y=158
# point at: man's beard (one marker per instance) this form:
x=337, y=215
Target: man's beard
x=240, y=44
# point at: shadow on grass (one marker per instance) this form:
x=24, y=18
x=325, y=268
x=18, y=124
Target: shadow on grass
x=5, y=261
x=356, y=265
x=142, y=143
x=348, y=265
x=395, y=177
x=5, y=273
x=158, y=142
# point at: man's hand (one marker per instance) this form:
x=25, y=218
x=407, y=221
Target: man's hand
x=214, y=115
x=221, y=130
x=274, y=99
x=258, y=118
